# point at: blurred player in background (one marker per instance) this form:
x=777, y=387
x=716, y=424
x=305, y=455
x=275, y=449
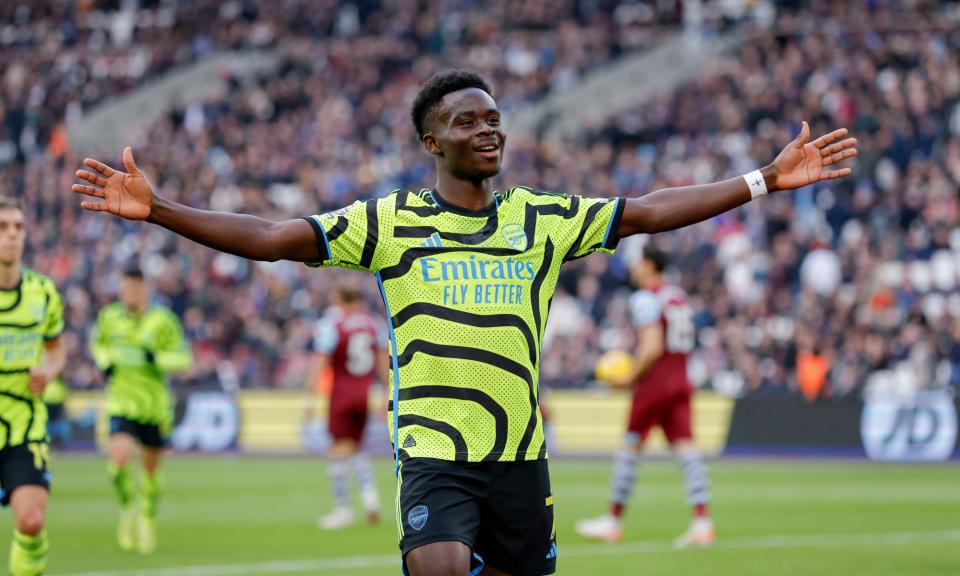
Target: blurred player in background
x=466, y=273
x=136, y=345
x=351, y=342
x=32, y=353
x=661, y=397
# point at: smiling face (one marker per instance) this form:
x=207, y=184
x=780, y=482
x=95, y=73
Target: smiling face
x=466, y=136
x=13, y=234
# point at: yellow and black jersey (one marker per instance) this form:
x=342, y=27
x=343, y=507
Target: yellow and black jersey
x=467, y=293
x=30, y=314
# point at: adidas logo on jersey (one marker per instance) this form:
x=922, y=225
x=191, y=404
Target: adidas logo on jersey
x=433, y=241
x=409, y=442
x=553, y=551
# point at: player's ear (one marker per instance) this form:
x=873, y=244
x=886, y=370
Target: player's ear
x=431, y=144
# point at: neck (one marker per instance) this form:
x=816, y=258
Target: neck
x=136, y=310
x=10, y=275
x=464, y=194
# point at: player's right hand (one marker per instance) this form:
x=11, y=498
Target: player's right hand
x=126, y=194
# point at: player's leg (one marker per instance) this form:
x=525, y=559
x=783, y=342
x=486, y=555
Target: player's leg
x=340, y=453
x=438, y=515
x=609, y=527
x=121, y=449
x=679, y=431
x=26, y=482
x=439, y=559
x=28, y=552
x=153, y=439
x=518, y=534
x=363, y=470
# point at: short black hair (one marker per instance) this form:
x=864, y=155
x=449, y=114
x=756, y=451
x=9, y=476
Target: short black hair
x=438, y=86
x=658, y=257
x=9, y=202
x=133, y=271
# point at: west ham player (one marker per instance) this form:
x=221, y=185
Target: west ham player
x=350, y=341
x=661, y=397
x=466, y=273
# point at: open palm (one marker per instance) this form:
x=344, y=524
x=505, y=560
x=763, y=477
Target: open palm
x=126, y=194
x=803, y=162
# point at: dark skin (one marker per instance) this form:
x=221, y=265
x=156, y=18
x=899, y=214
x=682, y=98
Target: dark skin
x=465, y=137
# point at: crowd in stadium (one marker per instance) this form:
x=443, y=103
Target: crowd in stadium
x=777, y=285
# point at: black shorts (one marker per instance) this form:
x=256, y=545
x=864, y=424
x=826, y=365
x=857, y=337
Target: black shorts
x=149, y=435
x=23, y=465
x=502, y=510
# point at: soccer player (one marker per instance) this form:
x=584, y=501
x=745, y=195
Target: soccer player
x=349, y=340
x=136, y=345
x=466, y=273
x=661, y=397
x=32, y=353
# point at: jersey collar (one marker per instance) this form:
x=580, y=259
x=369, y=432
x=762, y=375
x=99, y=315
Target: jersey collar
x=488, y=210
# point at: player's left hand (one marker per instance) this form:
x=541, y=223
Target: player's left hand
x=39, y=378
x=803, y=162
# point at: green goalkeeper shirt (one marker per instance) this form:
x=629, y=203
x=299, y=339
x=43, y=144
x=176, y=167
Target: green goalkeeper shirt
x=30, y=314
x=138, y=351
x=467, y=295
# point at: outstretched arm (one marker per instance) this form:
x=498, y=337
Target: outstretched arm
x=799, y=164
x=130, y=195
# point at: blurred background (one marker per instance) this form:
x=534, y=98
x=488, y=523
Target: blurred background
x=828, y=319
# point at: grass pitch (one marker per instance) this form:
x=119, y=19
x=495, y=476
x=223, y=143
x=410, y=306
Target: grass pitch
x=234, y=516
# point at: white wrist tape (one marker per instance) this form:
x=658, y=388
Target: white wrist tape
x=756, y=184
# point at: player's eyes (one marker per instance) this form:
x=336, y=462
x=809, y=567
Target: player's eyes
x=495, y=121
x=466, y=122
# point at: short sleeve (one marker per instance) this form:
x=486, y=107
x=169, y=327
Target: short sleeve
x=594, y=226
x=325, y=336
x=53, y=323
x=645, y=308
x=348, y=237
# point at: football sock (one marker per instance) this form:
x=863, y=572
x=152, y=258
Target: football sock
x=697, y=481
x=624, y=477
x=338, y=481
x=149, y=494
x=122, y=483
x=28, y=554
x=364, y=472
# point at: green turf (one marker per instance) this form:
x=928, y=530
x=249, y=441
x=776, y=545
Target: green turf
x=774, y=518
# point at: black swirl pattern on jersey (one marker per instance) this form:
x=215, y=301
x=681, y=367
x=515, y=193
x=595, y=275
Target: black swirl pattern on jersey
x=461, y=453
x=470, y=319
x=422, y=211
x=29, y=404
x=538, y=282
x=486, y=357
x=373, y=233
x=588, y=219
x=542, y=453
x=339, y=228
x=469, y=395
x=471, y=238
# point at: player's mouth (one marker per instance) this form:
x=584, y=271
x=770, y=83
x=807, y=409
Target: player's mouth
x=489, y=151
